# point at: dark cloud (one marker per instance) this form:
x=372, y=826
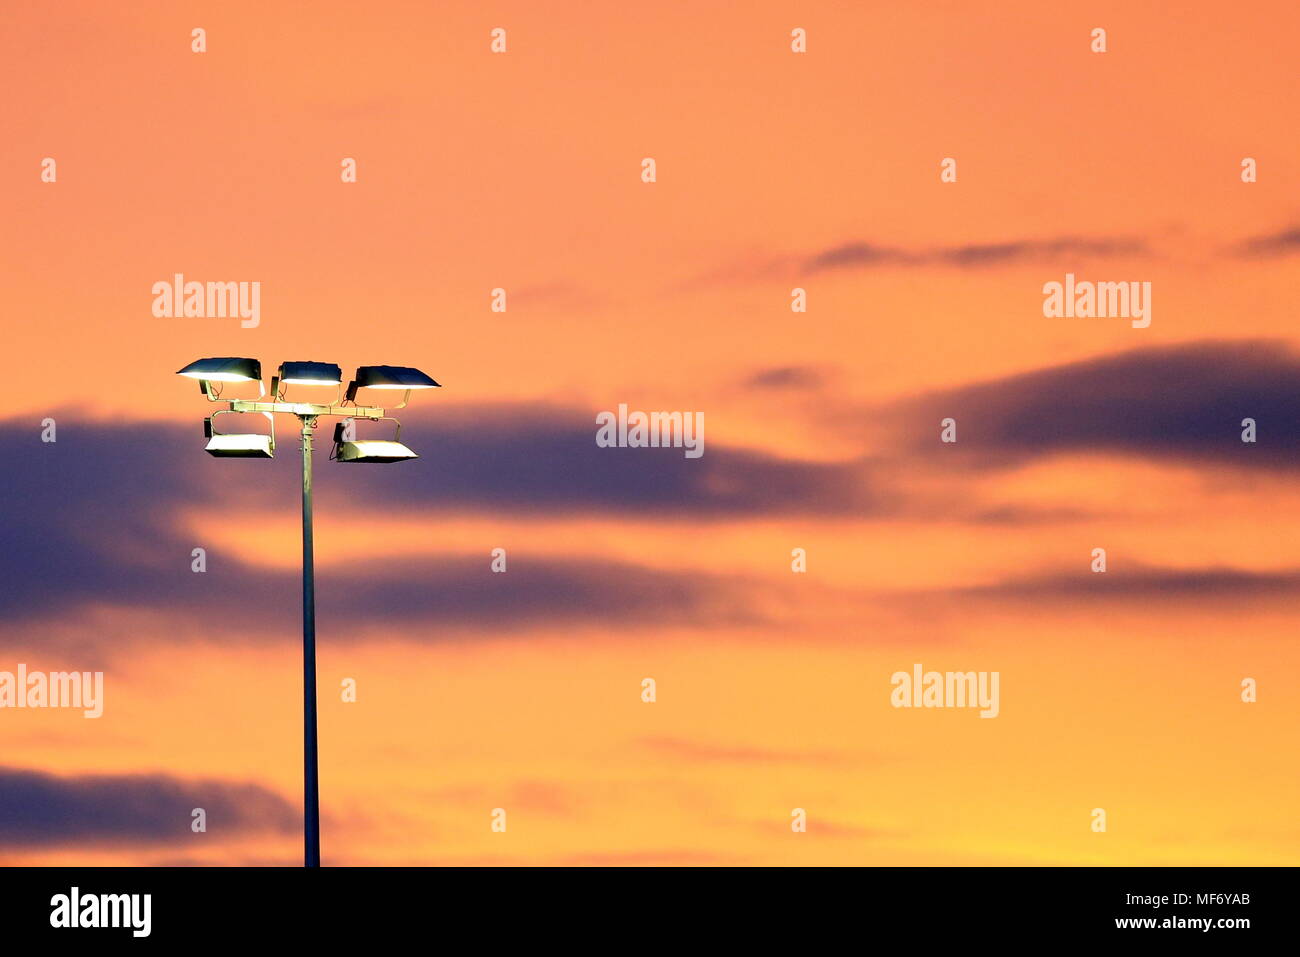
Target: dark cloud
x=1021, y=515
x=1147, y=585
x=859, y=255
x=1273, y=244
x=517, y=459
x=1185, y=402
x=462, y=593
x=546, y=462
x=41, y=809
x=92, y=520
x=420, y=599
x=786, y=378
x=1059, y=251
x=1132, y=584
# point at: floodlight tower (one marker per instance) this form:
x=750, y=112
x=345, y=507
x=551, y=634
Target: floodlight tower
x=346, y=449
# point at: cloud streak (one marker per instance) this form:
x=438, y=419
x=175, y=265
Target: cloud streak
x=1145, y=585
x=1270, y=245
x=93, y=521
x=1184, y=402
x=39, y=809
x=786, y=379
x=863, y=255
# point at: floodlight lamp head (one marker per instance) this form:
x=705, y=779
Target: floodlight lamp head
x=402, y=378
x=310, y=373
x=240, y=445
x=227, y=369
x=374, y=450
x=234, y=445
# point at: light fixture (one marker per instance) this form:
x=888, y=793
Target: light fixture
x=310, y=373
x=223, y=370
x=392, y=377
x=374, y=450
x=370, y=450
x=389, y=377
x=240, y=445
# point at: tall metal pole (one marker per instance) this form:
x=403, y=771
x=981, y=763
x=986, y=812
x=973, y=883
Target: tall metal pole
x=311, y=783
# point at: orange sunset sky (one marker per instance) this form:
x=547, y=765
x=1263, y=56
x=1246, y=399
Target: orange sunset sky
x=775, y=170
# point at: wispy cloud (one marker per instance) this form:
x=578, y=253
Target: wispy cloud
x=43, y=809
x=1269, y=245
x=864, y=255
x=1146, y=584
x=93, y=521
x=421, y=600
x=787, y=378
x=501, y=458
x=1183, y=402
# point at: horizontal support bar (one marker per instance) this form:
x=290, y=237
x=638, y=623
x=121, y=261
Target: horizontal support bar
x=307, y=408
